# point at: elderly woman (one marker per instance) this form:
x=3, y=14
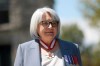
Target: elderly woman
x=46, y=49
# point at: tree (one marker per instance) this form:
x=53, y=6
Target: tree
x=86, y=56
x=91, y=10
x=72, y=33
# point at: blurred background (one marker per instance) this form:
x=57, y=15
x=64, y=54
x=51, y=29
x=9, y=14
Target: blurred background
x=80, y=23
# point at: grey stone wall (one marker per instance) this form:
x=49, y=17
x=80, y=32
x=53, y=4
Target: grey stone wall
x=17, y=30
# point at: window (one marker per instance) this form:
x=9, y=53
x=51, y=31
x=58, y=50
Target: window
x=5, y=55
x=4, y=17
x=4, y=11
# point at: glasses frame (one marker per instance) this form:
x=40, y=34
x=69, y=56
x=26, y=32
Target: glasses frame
x=46, y=23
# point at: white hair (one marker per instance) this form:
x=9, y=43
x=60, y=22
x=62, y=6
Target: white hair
x=37, y=18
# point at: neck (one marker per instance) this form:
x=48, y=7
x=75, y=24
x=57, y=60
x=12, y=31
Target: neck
x=47, y=41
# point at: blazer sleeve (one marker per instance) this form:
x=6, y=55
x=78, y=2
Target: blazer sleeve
x=18, y=58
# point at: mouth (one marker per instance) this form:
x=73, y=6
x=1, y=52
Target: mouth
x=49, y=33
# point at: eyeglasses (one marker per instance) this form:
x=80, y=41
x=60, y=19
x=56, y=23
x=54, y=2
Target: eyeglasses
x=47, y=23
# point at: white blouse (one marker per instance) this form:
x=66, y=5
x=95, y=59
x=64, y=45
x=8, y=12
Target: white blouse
x=55, y=60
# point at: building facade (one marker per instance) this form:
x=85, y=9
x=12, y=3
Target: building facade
x=15, y=18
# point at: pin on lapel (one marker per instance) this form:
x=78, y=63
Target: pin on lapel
x=71, y=60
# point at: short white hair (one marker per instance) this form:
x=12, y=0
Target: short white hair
x=37, y=18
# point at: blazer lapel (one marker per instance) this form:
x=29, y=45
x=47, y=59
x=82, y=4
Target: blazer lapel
x=33, y=54
x=62, y=49
x=65, y=51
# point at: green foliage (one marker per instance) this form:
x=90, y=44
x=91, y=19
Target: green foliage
x=90, y=56
x=72, y=33
x=96, y=58
x=86, y=56
x=91, y=10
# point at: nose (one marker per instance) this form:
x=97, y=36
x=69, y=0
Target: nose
x=50, y=26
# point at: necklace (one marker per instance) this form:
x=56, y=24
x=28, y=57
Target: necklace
x=50, y=55
x=46, y=46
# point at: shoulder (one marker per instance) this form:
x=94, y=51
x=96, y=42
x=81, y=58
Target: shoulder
x=68, y=44
x=69, y=47
x=28, y=44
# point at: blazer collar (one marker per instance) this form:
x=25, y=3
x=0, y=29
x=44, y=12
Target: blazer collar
x=34, y=44
x=64, y=49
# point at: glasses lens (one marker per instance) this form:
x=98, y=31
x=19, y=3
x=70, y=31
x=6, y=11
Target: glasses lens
x=45, y=24
x=54, y=24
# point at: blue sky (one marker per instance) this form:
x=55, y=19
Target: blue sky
x=68, y=9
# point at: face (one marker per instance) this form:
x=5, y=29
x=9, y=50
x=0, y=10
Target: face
x=47, y=28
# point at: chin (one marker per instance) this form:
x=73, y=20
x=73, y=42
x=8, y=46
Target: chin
x=50, y=37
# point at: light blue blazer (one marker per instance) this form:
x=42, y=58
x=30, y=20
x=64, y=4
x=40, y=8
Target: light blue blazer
x=28, y=53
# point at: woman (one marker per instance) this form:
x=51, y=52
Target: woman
x=46, y=49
